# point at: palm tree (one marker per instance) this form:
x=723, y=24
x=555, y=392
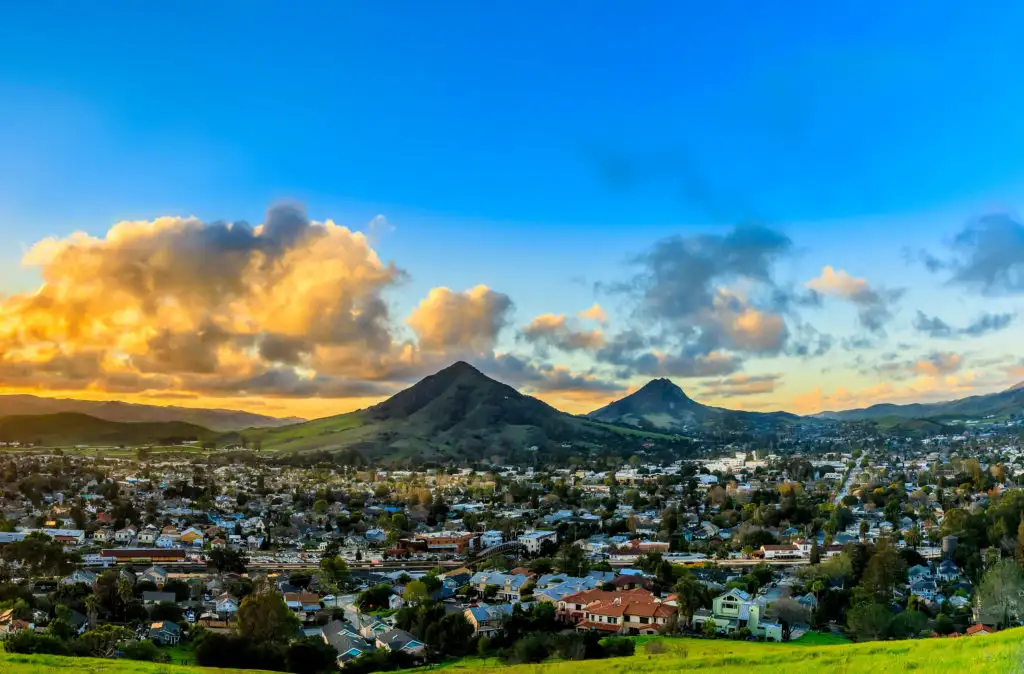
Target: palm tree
x=91, y=604
x=125, y=592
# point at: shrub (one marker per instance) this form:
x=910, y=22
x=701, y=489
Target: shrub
x=655, y=648
x=618, y=647
x=144, y=650
x=29, y=642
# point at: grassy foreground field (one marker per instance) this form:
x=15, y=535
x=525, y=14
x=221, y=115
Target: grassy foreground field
x=1002, y=653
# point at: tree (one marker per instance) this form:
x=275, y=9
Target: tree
x=125, y=592
x=225, y=560
x=103, y=641
x=788, y=612
x=572, y=560
x=885, y=570
x=913, y=536
x=264, y=618
x=868, y=622
x=908, y=624
x=334, y=568
x=1001, y=594
x=311, y=656
x=415, y=592
x=1020, y=543
x=815, y=552
x=690, y=595
x=374, y=598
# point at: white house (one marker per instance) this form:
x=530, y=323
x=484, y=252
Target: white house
x=533, y=540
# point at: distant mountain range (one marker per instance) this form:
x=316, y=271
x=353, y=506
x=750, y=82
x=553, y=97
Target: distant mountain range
x=662, y=406
x=997, y=405
x=458, y=412
x=461, y=413
x=65, y=429
x=212, y=419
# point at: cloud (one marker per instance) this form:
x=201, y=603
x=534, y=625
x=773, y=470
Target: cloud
x=986, y=323
x=700, y=302
x=185, y=305
x=874, y=305
x=595, y=313
x=553, y=331
x=938, y=364
x=932, y=326
x=922, y=389
x=987, y=256
x=455, y=322
x=740, y=385
x=289, y=308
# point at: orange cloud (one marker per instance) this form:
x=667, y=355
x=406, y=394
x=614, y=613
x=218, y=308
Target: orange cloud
x=553, y=330
x=455, y=321
x=595, y=313
x=838, y=283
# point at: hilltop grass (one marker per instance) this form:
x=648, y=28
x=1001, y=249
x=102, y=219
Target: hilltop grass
x=812, y=654
x=1002, y=652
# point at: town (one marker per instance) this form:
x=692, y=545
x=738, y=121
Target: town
x=241, y=559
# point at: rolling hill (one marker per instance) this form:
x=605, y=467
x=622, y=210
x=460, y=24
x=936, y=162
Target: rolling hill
x=1001, y=404
x=67, y=428
x=1000, y=652
x=457, y=412
x=662, y=406
x=213, y=419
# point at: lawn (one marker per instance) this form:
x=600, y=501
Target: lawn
x=181, y=654
x=821, y=639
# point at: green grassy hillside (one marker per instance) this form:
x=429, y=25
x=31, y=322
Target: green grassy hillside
x=69, y=428
x=457, y=413
x=1002, y=653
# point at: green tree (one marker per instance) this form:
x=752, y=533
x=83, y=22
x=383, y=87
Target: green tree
x=103, y=641
x=263, y=617
x=415, y=592
x=868, y=622
x=1001, y=594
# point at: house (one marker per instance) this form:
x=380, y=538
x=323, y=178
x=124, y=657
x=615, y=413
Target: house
x=979, y=629
x=165, y=633
x=736, y=609
x=81, y=576
x=125, y=535
x=101, y=535
x=148, y=535
x=345, y=642
x=225, y=605
x=573, y=607
x=533, y=540
x=632, y=613
x=192, y=536
x=487, y=619
x=395, y=602
x=399, y=640
x=154, y=574
x=947, y=572
x=158, y=598
x=302, y=602
x=166, y=541
x=9, y=624
x=509, y=586
x=924, y=588
x=489, y=539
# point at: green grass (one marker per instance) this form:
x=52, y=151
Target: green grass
x=821, y=639
x=181, y=654
x=1001, y=653
x=812, y=654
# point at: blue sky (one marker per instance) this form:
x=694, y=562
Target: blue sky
x=532, y=147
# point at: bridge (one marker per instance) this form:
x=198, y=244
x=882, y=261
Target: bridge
x=499, y=549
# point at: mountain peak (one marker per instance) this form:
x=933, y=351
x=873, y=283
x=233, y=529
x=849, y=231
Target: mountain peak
x=1016, y=387
x=663, y=387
